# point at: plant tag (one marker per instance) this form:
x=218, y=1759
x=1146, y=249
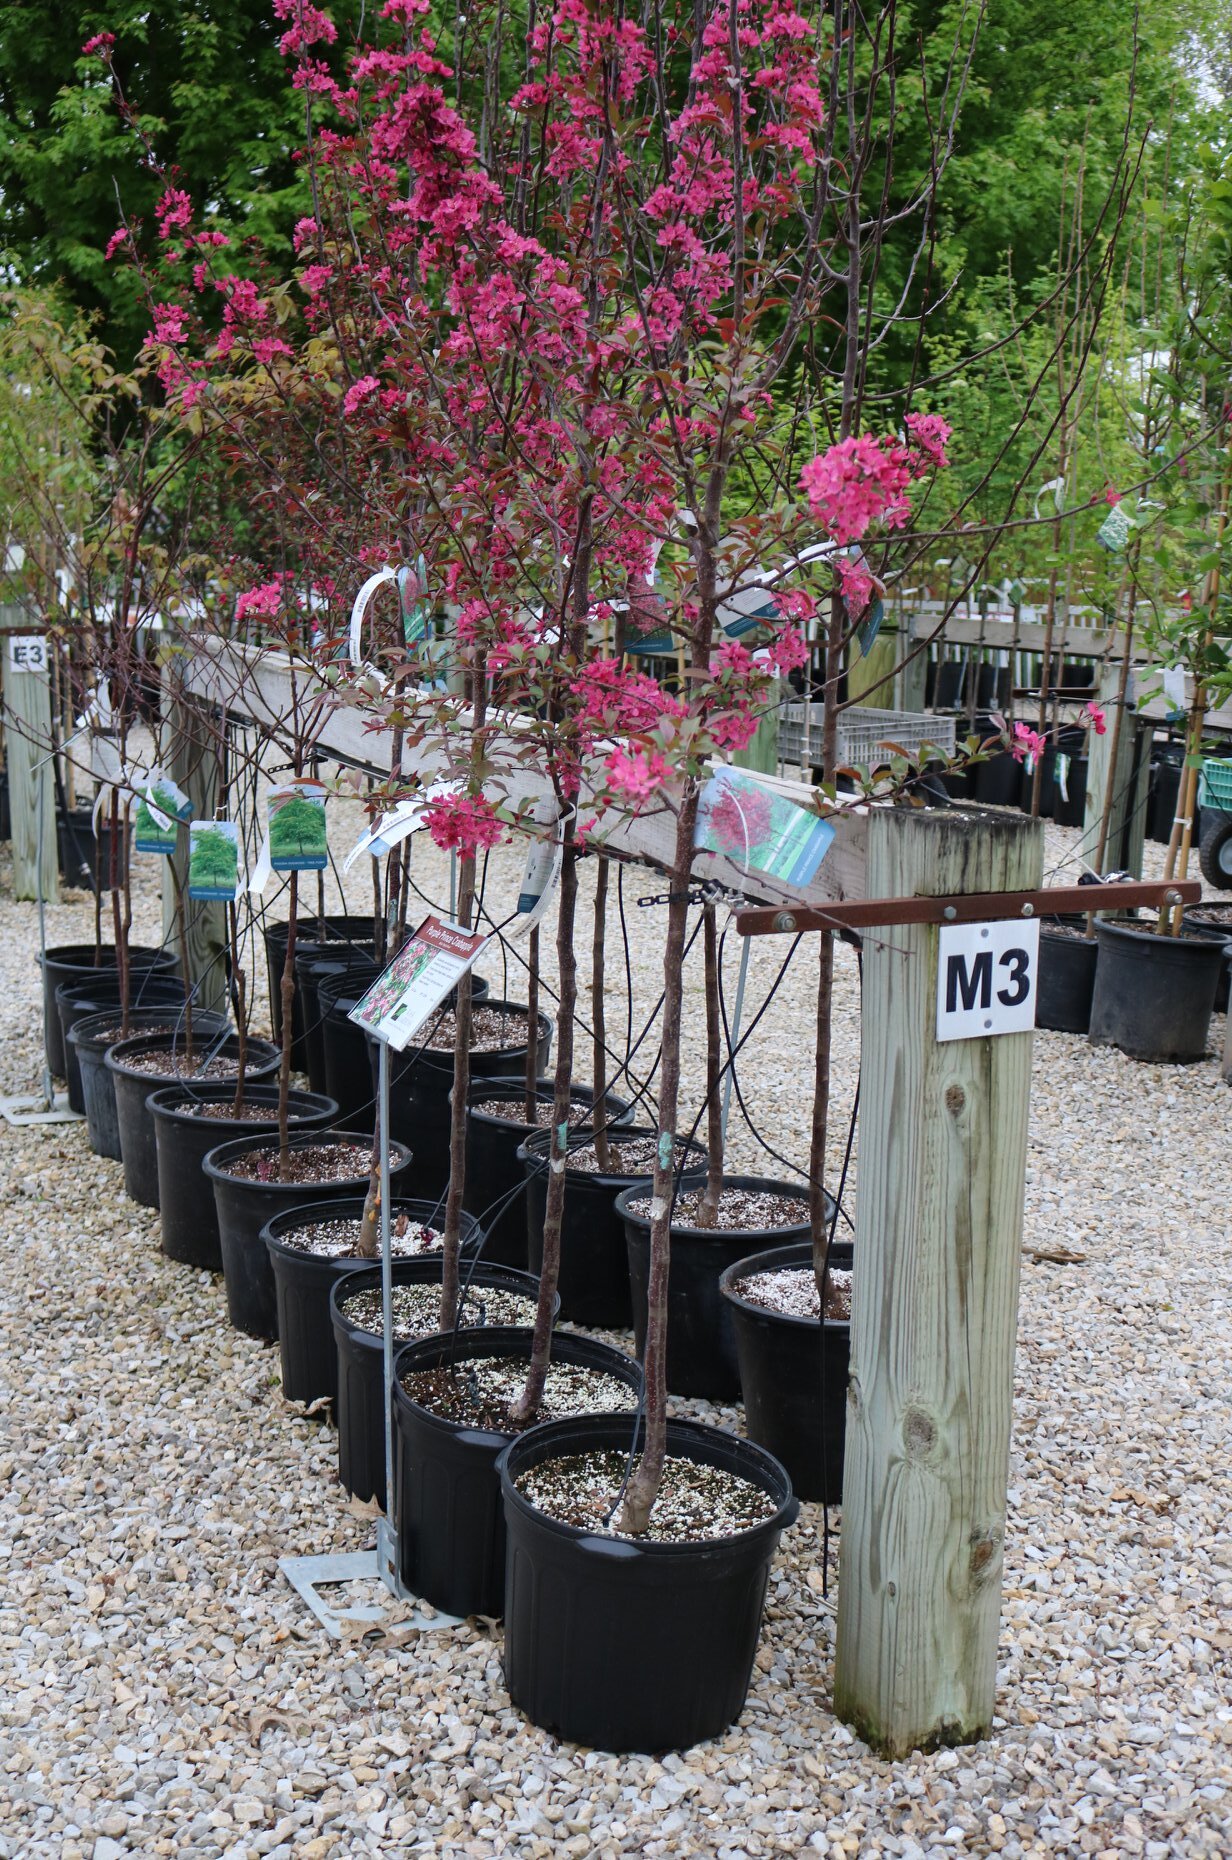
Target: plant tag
x=870, y=626
x=412, y=584
x=214, y=860
x=1115, y=530
x=987, y=977
x=1174, y=686
x=541, y=874
x=421, y=976
x=754, y=826
x=296, y=835
x=159, y=812
x=667, y=1149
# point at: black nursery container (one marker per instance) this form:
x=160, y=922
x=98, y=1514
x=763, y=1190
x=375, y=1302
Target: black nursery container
x=420, y=1084
x=495, y=1176
x=312, y=966
x=793, y=1376
x=451, y=1526
x=90, y=1039
x=701, y=1345
x=348, y=1072
x=134, y=1089
x=634, y=1646
x=1067, y=967
x=1154, y=995
x=324, y=935
x=594, y=1258
x=244, y=1209
x=183, y=1138
x=1070, y=808
x=74, y=962
x=304, y=1282
x=82, y=851
x=1214, y=921
x=78, y=1001
x=360, y=1408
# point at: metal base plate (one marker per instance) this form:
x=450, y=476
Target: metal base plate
x=23, y=1112
x=308, y=1574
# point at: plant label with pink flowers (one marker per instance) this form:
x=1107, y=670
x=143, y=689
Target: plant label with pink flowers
x=759, y=829
x=987, y=979
x=421, y=976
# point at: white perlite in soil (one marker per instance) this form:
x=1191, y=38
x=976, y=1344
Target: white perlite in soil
x=164, y=1693
x=792, y=1291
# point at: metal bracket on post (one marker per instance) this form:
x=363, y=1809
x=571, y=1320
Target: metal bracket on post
x=307, y=1573
x=971, y=908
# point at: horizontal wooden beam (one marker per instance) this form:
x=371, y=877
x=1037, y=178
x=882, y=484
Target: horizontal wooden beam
x=974, y=908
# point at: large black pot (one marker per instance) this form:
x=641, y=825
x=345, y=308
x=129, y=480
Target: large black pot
x=245, y=1207
x=594, y=1259
x=89, y=1041
x=83, y=854
x=1154, y=995
x=183, y=1139
x=1167, y=767
x=420, y=1084
x=793, y=1376
x=624, y=1645
x=333, y=932
x=701, y=1347
x=1214, y=921
x=998, y=780
x=74, y=962
x=1069, y=743
x=451, y=1527
x=1070, y=808
x=303, y=1283
x=314, y=962
x=348, y=1072
x=134, y=1088
x=1067, y=967
x=77, y=1001
x=495, y=1175
x=360, y=1408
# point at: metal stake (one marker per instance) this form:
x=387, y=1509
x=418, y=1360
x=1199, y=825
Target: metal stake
x=734, y=1039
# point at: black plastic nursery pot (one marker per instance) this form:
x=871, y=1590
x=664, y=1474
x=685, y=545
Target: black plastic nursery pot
x=1069, y=808
x=91, y=1038
x=998, y=780
x=1067, y=967
x=628, y=1645
x=1166, y=770
x=303, y=1283
x=451, y=1524
x=360, y=1408
x=245, y=1207
x=495, y=1176
x=337, y=932
x=312, y=965
x=82, y=851
x=134, y=1088
x=1154, y=995
x=77, y=1001
x=348, y=1072
x=75, y=962
x=1214, y=921
x=594, y=1258
x=701, y=1345
x=793, y=1375
x=187, y=1126
x=420, y=1084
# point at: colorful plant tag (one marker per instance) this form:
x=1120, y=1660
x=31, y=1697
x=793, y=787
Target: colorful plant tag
x=1115, y=530
x=413, y=602
x=756, y=827
x=541, y=873
x=870, y=626
x=159, y=812
x=667, y=1149
x=214, y=859
x=297, y=841
x=425, y=971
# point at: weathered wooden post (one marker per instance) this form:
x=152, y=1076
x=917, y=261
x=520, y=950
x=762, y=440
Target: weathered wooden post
x=28, y=745
x=193, y=762
x=1119, y=768
x=943, y=1138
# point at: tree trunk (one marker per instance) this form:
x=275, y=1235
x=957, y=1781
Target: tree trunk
x=527, y=1404
x=457, y=1114
x=531, y=1076
x=708, y=1213
x=644, y=1486
x=598, y=1017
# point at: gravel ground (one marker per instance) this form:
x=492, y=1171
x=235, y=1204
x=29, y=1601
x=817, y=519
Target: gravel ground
x=164, y=1693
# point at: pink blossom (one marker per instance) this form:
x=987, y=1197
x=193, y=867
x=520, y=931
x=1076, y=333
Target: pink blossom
x=638, y=775
x=1111, y=496
x=858, y=482
x=1097, y=717
x=117, y=241
x=463, y=823
x=788, y=651
x=100, y=45
x=263, y=602
x=174, y=212
x=732, y=729
x=267, y=347
x=364, y=388
x=1026, y=742
x=931, y=433
x=168, y=324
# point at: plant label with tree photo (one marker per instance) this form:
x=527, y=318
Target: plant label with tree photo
x=297, y=835
x=214, y=859
x=160, y=811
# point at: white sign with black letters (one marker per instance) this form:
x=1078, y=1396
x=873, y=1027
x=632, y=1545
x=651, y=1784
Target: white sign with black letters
x=987, y=975
x=27, y=652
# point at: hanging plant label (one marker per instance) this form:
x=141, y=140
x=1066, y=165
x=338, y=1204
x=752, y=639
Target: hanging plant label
x=412, y=584
x=160, y=811
x=421, y=976
x=541, y=873
x=756, y=827
x=1115, y=530
x=297, y=841
x=870, y=626
x=214, y=859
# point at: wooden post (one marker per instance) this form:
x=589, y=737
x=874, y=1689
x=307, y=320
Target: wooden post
x=943, y=1138
x=28, y=740
x=193, y=762
x=1130, y=778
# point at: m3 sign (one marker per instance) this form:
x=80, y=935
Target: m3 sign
x=987, y=977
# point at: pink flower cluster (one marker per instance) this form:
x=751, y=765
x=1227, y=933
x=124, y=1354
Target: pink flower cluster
x=1096, y=717
x=261, y=603
x=1026, y=742
x=463, y=823
x=636, y=774
x=856, y=483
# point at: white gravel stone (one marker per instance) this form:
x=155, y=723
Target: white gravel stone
x=163, y=1692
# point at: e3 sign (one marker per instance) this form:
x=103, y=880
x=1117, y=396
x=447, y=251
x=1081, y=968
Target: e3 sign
x=986, y=979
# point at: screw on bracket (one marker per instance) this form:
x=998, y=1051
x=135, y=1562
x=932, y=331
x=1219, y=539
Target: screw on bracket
x=785, y=922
